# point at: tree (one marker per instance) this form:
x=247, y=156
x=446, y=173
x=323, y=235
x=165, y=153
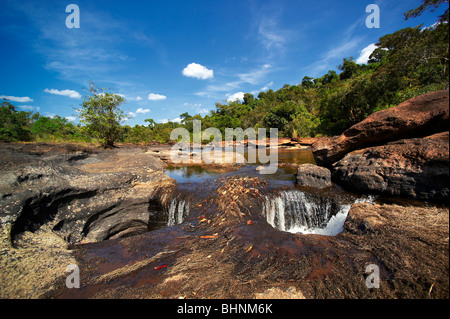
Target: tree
x=307, y=82
x=13, y=123
x=330, y=77
x=349, y=69
x=101, y=113
x=428, y=4
x=151, y=123
x=248, y=98
x=53, y=127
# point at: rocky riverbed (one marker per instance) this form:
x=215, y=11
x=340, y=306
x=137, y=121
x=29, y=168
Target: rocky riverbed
x=134, y=233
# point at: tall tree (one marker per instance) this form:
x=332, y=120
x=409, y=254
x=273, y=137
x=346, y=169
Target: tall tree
x=101, y=113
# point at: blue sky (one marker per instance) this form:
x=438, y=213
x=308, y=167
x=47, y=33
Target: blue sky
x=169, y=57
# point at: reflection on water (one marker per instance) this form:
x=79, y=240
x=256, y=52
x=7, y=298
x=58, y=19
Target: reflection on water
x=185, y=174
x=296, y=156
x=198, y=174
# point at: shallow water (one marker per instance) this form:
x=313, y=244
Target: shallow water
x=301, y=206
x=198, y=174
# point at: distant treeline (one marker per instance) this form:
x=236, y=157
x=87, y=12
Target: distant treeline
x=407, y=63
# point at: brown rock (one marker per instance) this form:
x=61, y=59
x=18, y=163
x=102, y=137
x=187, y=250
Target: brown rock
x=420, y=116
x=313, y=176
x=415, y=168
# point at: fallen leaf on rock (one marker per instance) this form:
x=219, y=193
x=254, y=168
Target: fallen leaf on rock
x=161, y=267
x=209, y=236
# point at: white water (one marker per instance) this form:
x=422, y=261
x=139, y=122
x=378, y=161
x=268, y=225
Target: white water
x=297, y=212
x=178, y=210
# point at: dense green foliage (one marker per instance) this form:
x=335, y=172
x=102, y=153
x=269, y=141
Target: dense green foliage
x=13, y=123
x=407, y=63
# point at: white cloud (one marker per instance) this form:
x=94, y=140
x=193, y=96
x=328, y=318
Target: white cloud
x=16, y=98
x=69, y=93
x=236, y=96
x=163, y=121
x=267, y=86
x=333, y=56
x=143, y=111
x=198, y=71
x=156, y=97
x=131, y=114
x=365, y=54
x=71, y=118
x=138, y=98
x=256, y=75
x=29, y=107
x=272, y=37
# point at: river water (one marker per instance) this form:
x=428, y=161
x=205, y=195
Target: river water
x=293, y=209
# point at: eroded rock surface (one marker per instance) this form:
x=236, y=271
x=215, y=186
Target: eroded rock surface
x=74, y=193
x=416, y=168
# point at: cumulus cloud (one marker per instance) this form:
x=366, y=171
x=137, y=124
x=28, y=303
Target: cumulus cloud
x=236, y=96
x=142, y=111
x=138, y=98
x=156, y=97
x=71, y=118
x=365, y=54
x=69, y=93
x=198, y=71
x=23, y=99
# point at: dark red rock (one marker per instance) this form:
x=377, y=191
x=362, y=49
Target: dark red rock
x=418, y=117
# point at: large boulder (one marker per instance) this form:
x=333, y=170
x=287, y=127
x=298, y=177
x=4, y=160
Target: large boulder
x=313, y=176
x=420, y=116
x=416, y=168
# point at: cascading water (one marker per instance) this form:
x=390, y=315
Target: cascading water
x=178, y=210
x=298, y=212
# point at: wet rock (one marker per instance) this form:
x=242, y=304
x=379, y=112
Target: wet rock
x=418, y=117
x=415, y=168
x=313, y=176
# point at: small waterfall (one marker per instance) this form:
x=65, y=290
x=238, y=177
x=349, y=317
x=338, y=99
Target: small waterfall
x=178, y=210
x=297, y=212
